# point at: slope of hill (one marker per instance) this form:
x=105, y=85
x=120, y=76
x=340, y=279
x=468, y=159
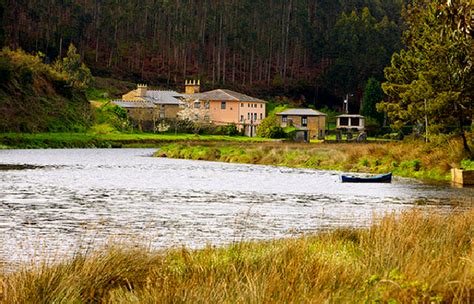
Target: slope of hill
x=36, y=98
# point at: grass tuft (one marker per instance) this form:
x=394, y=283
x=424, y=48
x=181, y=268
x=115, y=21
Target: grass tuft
x=415, y=256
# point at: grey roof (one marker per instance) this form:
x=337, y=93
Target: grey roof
x=164, y=97
x=301, y=112
x=133, y=104
x=152, y=99
x=351, y=115
x=224, y=95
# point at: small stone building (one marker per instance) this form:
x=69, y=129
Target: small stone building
x=145, y=107
x=309, y=123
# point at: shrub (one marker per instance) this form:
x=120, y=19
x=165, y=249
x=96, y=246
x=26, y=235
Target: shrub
x=6, y=70
x=230, y=130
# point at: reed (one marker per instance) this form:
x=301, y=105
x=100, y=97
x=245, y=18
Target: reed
x=416, y=256
x=409, y=158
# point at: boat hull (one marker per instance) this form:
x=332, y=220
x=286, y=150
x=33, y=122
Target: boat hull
x=383, y=178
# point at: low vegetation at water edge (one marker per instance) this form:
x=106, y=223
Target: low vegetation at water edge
x=416, y=257
x=407, y=158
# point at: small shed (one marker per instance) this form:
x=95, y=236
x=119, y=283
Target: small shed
x=350, y=122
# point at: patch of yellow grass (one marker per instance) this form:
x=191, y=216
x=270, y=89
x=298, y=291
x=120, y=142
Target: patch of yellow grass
x=418, y=256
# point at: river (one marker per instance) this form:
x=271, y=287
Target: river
x=57, y=202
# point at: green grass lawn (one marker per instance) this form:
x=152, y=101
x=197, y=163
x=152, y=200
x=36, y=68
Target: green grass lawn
x=85, y=140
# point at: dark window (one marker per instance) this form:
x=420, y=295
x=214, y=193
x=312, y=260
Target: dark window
x=241, y=117
x=284, y=118
x=261, y=105
x=242, y=105
x=254, y=116
x=261, y=116
x=355, y=121
x=304, y=121
x=343, y=121
x=197, y=105
x=223, y=105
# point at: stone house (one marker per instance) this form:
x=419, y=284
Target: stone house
x=228, y=107
x=145, y=107
x=309, y=123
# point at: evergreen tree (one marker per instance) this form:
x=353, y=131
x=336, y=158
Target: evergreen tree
x=373, y=94
x=430, y=83
x=77, y=73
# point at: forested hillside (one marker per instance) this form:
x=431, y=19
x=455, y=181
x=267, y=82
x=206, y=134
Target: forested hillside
x=312, y=47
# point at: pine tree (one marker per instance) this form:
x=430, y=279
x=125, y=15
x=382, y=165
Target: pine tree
x=430, y=83
x=373, y=94
x=77, y=73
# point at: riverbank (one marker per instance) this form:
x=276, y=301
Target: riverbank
x=407, y=158
x=110, y=140
x=418, y=256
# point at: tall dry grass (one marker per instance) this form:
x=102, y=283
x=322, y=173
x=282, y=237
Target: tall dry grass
x=408, y=158
x=415, y=257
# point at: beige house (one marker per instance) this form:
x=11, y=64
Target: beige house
x=228, y=107
x=309, y=123
x=145, y=107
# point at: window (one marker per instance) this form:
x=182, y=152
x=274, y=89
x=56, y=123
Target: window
x=241, y=105
x=304, y=121
x=241, y=117
x=248, y=116
x=261, y=116
x=207, y=105
x=343, y=121
x=254, y=116
x=223, y=105
x=261, y=105
x=355, y=121
x=197, y=105
x=284, y=118
x=162, y=111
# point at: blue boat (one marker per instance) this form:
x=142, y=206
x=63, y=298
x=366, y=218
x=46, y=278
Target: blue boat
x=382, y=178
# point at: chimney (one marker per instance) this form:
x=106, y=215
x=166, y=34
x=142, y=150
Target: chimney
x=141, y=90
x=192, y=86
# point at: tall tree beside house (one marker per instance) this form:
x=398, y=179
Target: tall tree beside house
x=77, y=73
x=431, y=82
x=373, y=95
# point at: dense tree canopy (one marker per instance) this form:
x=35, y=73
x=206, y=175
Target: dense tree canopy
x=431, y=83
x=327, y=45
x=373, y=95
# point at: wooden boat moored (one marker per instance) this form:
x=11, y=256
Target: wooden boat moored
x=382, y=178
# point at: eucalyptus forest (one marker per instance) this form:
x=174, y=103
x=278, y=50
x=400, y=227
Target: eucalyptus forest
x=318, y=46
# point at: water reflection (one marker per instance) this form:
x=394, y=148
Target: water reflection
x=63, y=199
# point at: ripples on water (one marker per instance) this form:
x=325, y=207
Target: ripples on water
x=55, y=201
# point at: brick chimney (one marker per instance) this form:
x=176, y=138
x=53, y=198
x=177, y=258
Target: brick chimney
x=192, y=86
x=141, y=90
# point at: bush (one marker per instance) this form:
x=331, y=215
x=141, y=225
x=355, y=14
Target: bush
x=26, y=75
x=6, y=70
x=265, y=128
x=230, y=130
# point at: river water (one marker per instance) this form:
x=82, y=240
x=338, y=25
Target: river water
x=56, y=202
